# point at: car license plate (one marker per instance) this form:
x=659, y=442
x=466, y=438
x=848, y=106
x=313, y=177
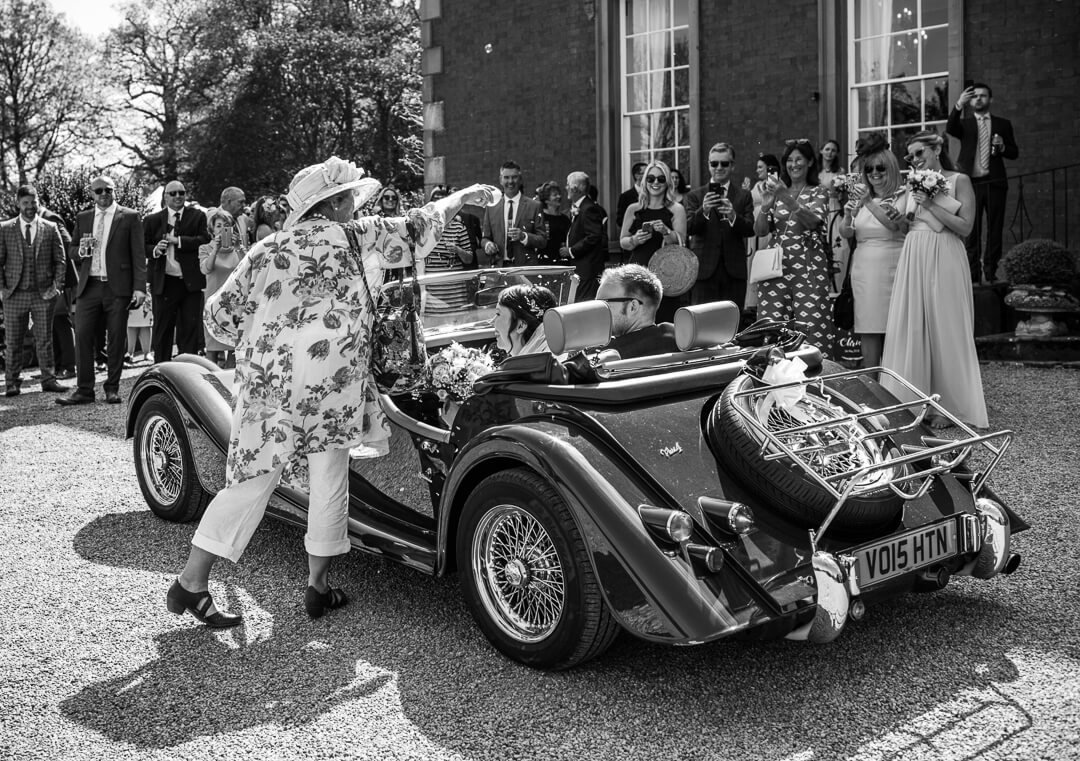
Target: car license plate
x=908, y=552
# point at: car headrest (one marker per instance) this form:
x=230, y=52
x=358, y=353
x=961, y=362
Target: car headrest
x=704, y=325
x=577, y=326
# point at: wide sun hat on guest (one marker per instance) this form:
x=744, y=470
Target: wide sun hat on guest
x=317, y=182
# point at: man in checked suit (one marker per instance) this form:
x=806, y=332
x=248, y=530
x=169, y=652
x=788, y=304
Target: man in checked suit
x=112, y=276
x=985, y=142
x=32, y=262
x=719, y=219
x=513, y=230
x=173, y=237
x=587, y=242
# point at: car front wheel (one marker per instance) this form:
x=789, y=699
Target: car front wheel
x=164, y=464
x=527, y=577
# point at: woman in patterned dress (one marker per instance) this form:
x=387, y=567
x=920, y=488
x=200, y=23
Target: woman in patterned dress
x=299, y=309
x=929, y=337
x=793, y=208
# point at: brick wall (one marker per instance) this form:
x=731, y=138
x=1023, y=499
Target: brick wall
x=531, y=99
x=759, y=70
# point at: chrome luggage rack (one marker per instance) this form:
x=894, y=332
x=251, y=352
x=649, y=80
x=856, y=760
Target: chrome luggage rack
x=811, y=446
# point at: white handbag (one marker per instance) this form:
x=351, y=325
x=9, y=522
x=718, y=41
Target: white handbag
x=768, y=263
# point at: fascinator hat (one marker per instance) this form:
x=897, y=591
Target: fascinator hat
x=871, y=143
x=314, y=184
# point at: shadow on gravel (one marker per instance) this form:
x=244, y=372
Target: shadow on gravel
x=39, y=408
x=935, y=660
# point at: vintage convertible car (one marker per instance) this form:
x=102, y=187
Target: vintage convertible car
x=680, y=497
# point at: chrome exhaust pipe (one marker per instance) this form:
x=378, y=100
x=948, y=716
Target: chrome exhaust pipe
x=1012, y=563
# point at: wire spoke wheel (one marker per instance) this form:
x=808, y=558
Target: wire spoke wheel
x=162, y=459
x=518, y=573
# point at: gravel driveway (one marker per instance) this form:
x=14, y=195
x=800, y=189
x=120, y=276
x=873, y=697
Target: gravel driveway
x=93, y=667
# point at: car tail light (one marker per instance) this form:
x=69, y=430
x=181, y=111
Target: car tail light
x=732, y=517
x=711, y=558
x=674, y=525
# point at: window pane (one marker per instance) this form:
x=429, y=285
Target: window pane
x=659, y=14
x=905, y=104
x=871, y=56
x=871, y=106
x=663, y=129
x=660, y=50
x=637, y=92
x=681, y=47
x=903, y=56
x=935, y=51
x=635, y=16
x=683, y=157
x=682, y=12
x=637, y=53
x=668, y=157
x=660, y=97
x=682, y=87
x=639, y=132
x=935, y=12
x=682, y=126
x=936, y=99
x=898, y=139
x=873, y=17
x=903, y=16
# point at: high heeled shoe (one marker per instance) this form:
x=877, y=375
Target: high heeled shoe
x=180, y=600
x=317, y=603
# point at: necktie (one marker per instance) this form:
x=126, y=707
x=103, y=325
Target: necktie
x=984, y=147
x=509, y=224
x=99, y=235
x=27, y=231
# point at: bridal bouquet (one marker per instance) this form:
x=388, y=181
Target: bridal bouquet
x=842, y=183
x=452, y=372
x=926, y=180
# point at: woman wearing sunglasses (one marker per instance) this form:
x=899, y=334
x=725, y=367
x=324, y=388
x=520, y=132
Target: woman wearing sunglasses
x=793, y=208
x=655, y=219
x=930, y=331
x=871, y=218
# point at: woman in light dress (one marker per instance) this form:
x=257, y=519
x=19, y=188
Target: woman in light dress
x=929, y=337
x=871, y=218
x=217, y=260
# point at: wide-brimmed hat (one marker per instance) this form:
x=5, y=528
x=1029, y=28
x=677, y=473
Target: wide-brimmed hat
x=317, y=182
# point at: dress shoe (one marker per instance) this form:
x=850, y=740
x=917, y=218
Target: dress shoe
x=112, y=397
x=12, y=390
x=179, y=601
x=100, y=367
x=65, y=374
x=317, y=603
x=53, y=386
x=129, y=361
x=75, y=397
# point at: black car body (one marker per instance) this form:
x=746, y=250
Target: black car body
x=650, y=495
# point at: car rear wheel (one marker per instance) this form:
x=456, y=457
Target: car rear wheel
x=527, y=577
x=785, y=487
x=164, y=464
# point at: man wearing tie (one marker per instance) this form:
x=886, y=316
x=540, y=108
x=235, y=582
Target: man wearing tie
x=233, y=200
x=985, y=142
x=112, y=276
x=32, y=268
x=587, y=242
x=513, y=229
x=173, y=237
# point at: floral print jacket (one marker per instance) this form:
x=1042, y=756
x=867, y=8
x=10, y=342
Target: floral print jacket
x=300, y=315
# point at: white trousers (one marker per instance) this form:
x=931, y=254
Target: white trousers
x=235, y=512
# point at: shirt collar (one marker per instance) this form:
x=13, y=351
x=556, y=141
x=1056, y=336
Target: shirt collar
x=577, y=204
x=24, y=223
x=983, y=116
x=514, y=199
x=107, y=210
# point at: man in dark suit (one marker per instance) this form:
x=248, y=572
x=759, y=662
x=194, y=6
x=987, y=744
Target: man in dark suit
x=631, y=194
x=173, y=236
x=633, y=294
x=63, y=329
x=719, y=219
x=31, y=276
x=587, y=242
x=513, y=229
x=985, y=142
x=112, y=276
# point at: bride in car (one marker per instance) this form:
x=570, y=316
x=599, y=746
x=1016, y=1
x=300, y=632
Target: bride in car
x=519, y=319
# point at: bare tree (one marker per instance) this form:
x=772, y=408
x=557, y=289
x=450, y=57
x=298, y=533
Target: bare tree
x=48, y=105
x=171, y=60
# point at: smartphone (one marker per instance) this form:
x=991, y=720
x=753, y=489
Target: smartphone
x=969, y=83
x=716, y=187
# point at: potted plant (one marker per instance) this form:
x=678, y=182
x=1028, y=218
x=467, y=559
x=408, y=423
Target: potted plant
x=1039, y=271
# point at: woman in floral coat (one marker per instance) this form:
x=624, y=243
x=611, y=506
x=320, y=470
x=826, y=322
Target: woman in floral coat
x=300, y=312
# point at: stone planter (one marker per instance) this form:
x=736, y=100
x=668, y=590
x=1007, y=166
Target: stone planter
x=1046, y=306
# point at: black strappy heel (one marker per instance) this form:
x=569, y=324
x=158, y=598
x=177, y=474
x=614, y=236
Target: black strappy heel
x=179, y=601
x=317, y=603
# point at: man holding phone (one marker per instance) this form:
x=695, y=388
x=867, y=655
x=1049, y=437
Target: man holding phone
x=985, y=142
x=720, y=217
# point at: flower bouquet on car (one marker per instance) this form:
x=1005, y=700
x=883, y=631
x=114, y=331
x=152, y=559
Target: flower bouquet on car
x=451, y=373
x=936, y=188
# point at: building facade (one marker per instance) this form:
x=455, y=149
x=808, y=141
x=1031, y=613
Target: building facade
x=594, y=86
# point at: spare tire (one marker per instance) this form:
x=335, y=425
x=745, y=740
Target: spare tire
x=783, y=485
